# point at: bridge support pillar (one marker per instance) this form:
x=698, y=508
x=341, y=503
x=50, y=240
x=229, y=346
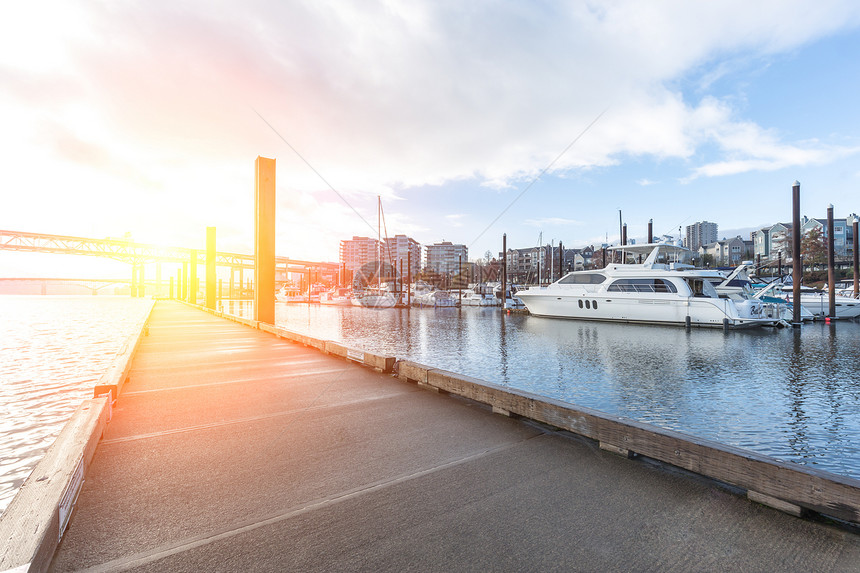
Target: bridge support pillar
x=192, y=287
x=158, y=278
x=141, y=290
x=183, y=292
x=264, y=240
x=210, y=268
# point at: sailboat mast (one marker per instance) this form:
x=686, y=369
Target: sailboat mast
x=378, y=241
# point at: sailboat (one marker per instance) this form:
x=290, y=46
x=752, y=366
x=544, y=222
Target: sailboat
x=379, y=296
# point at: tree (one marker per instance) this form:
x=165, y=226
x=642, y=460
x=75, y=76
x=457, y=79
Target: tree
x=597, y=259
x=814, y=247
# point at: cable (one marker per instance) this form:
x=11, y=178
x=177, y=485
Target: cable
x=318, y=174
x=539, y=175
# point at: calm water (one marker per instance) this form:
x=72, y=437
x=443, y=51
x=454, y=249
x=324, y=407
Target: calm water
x=792, y=393
x=53, y=349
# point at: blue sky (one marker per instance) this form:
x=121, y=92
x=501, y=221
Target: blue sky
x=146, y=118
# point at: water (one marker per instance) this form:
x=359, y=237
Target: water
x=53, y=350
x=793, y=394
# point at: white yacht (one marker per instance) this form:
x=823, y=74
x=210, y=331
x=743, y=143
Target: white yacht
x=651, y=292
x=376, y=297
x=818, y=302
x=338, y=296
x=435, y=299
x=479, y=295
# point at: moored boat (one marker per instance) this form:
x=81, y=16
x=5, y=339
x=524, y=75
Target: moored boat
x=651, y=292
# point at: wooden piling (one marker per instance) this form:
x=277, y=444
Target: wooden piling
x=210, y=267
x=264, y=240
x=831, y=266
x=797, y=268
x=856, y=261
x=504, y=270
x=192, y=286
x=560, y=259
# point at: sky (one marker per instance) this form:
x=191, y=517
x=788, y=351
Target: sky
x=539, y=119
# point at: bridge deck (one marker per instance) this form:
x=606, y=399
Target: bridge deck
x=232, y=450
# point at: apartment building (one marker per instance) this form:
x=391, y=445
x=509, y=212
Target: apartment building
x=444, y=257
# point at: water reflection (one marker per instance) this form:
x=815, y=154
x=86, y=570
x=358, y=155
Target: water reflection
x=790, y=393
x=53, y=350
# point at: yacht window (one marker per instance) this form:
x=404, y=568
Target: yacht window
x=702, y=288
x=594, y=304
x=642, y=285
x=588, y=304
x=582, y=279
x=580, y=304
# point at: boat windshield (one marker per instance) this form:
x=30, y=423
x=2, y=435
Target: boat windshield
x=582, y=279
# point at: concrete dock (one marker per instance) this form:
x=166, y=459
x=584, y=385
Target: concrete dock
x=233, y=450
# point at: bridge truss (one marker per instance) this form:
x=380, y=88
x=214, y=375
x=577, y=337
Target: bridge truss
x=140, y=253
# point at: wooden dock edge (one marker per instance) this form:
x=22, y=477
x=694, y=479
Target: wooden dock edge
x=33, y=523
x=784, y=485
x=115, y=377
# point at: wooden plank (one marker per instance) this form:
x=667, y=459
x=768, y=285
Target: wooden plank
x=384, y=364
x=31, y=526
x=820, y=491
x=409, y=371
x=116, y=375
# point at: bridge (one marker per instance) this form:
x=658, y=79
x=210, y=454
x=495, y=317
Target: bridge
x=139, y=254
x=60, y=285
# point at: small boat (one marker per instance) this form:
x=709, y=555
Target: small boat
x=511, y=298
x=435, y=299
x=375, y=297
x=293, y=295
x=786, y=308
x=289, y=293
x=338, y=296
x=818, y=302
x=845, y=288
x=479, y=295
x=652, y=292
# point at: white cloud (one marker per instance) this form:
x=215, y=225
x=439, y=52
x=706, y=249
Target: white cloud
x=154, y=105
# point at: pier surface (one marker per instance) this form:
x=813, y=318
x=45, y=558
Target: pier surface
x=233, y=450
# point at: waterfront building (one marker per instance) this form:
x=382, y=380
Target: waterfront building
x=730, y=252
x=444, y=257
x=699, y=234
x=522, y=264
x=357, y=252
x=771, y=242
x=399, y=248
x=843, y=233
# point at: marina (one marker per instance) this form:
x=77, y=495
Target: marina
x=595, y=328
